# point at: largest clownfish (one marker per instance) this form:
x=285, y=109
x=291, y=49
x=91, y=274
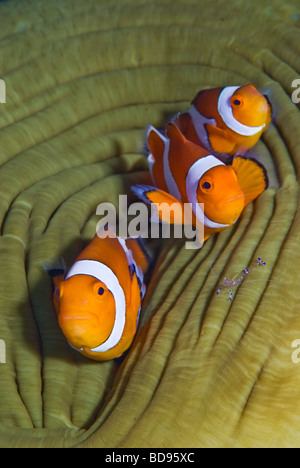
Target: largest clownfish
x=185, y=173
x=99, y=300
x=226, y=120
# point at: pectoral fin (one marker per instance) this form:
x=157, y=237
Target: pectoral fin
x=252, y=177
x=218, y=139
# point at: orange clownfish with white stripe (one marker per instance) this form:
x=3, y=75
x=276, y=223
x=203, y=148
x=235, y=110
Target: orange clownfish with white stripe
x=98, y=302
x=186, y=173
x=226, y=120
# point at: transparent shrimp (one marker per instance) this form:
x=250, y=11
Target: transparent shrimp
x=230, y=284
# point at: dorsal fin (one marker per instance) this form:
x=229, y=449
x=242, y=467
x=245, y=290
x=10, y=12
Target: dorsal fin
x=173, y=133
x=156, y=143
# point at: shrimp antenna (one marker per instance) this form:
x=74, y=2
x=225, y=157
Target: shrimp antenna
x=230, y=284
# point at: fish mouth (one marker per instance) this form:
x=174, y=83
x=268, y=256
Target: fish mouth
x=82, y=333
x=237, y=197
x=77, y=330
x=229, y=210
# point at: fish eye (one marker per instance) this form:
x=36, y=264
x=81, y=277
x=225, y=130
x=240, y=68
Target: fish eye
x=237, y=102
x=99, y=290
x=206, y=184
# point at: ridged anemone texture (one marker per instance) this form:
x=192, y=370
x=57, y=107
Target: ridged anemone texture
x=83, y=81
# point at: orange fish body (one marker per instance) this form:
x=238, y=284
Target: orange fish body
x=99, y=300
x=186, y=173
x=226, y=120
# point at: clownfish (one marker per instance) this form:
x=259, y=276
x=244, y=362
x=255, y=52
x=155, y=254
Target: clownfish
x=226, y=120
x=98, y=301
x=186, y=173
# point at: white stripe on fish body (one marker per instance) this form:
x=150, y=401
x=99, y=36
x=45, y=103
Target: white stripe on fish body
x=195, y=173
x=170, y=181
x=199, y=122
x=151, y=158
x=151, y=161
x=225, y=111
x=131, y=261
x=127, y=251
x=104, y=274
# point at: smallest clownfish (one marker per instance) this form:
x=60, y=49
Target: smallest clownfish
x=99, y=301
x=226, y=120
